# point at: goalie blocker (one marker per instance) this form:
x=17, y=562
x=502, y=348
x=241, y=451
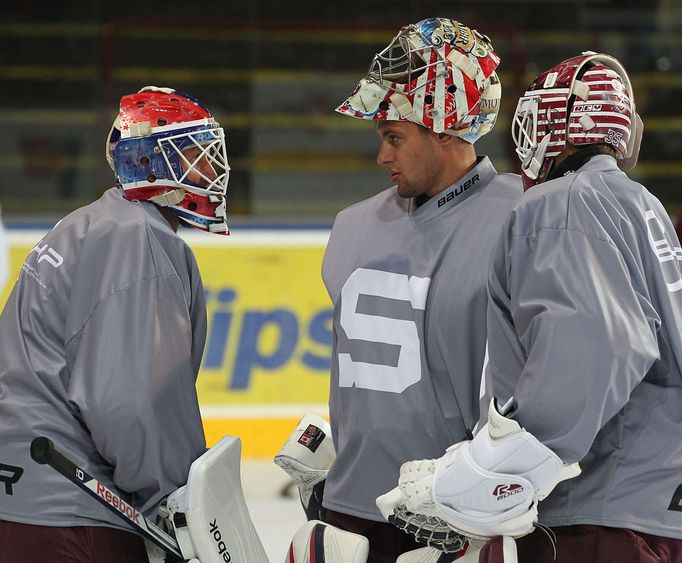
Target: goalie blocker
x=209, y=514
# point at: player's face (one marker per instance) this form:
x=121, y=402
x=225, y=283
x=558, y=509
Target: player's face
x=411, y=156
x=203, y=172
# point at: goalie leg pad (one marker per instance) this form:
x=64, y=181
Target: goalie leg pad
x=317, y=542
x=209, y=514
x=431, y=555
x=307, y=456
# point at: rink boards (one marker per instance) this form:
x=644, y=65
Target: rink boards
x=268, y=343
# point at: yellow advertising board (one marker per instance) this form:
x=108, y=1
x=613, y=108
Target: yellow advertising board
x=266, y=360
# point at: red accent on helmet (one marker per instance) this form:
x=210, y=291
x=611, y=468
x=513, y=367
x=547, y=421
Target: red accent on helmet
x=584, y=100
x=159, y=108
x=165, y=145
x=412, y=79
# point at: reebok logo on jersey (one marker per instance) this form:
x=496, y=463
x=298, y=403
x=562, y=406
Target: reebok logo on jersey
x=452, y=194
x=218, y=538
x=312, y=437
x=504, y=491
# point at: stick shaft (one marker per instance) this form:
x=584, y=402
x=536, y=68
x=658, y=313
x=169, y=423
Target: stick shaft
x=44, y=452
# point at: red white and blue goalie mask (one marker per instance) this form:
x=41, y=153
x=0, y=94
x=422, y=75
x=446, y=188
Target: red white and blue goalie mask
x=437, y=73
x=584, y=100
x=165, y=147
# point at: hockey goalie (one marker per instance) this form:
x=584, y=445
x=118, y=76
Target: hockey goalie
x=206, y=520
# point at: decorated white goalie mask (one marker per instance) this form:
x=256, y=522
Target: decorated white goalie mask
x=437, y=73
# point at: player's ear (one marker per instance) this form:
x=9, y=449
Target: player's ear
x=445, y=139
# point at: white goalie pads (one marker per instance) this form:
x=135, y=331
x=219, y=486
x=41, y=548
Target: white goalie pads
x=317, y=542
x=432, y=555
x=307, y=456
x=209, y=514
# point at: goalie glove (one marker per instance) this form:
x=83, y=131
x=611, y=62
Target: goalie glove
x=427, y=529
x=307, y=456
x=489, y=486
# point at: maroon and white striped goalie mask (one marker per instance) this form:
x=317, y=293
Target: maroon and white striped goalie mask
x=584, y=100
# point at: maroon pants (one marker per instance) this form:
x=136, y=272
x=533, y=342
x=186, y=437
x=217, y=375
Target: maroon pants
x=590, y=544
x=27, y=543
x=386, y=542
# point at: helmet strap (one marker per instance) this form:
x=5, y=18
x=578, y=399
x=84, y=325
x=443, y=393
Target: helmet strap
x=402, y=105
x=168, y=199
x=533, y=163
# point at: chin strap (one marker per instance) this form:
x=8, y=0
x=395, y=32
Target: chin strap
x=532, y=164
x=168, y=199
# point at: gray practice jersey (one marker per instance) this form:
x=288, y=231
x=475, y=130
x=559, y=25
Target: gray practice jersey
x=409, y=292
x=585, y=323
x=100, y=344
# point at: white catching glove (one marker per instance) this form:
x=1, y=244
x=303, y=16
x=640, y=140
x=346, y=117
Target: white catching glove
x=307, y=456
x=486, y=487
x=426, y=526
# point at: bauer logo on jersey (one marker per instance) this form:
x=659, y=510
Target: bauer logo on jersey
x=312, y=437
x=459, y=190
x=507, y=490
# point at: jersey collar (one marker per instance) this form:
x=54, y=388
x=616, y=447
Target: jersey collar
x=459, y=191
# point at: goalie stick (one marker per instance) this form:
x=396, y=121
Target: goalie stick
x=44, y=453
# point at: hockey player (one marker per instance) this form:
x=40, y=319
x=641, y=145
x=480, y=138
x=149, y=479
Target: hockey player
x=585, y=346
x=102, y=336
x=406, y=270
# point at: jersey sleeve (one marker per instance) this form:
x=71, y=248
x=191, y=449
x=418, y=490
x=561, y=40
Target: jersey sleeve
x=133, y=384
x=584, y=338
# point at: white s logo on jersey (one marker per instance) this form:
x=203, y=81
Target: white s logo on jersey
x=663, y=250
x=377, y=315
